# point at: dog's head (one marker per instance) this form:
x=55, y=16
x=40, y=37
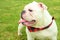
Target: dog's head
x=33, y=11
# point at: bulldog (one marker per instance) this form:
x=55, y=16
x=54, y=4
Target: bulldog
x=39, y=23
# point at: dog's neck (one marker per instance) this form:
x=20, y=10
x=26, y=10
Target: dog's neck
x=46, y=20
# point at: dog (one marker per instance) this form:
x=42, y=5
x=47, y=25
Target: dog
x=39, y=23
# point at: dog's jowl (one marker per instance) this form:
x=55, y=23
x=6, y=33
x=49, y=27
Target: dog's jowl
x=39, y=23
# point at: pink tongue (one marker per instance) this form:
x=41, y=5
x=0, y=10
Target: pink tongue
x=25, y=22
x=22, y=21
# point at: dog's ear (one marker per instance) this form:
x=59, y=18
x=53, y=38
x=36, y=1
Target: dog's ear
x=43, y=6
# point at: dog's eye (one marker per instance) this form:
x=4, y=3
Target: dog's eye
x=30, y=10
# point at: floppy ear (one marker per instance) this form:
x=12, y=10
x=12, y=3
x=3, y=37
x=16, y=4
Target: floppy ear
x=43, y=6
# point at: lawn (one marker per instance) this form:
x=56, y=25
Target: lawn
x=10, y=11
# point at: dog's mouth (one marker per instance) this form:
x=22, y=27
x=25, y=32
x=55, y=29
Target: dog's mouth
x=27, y=23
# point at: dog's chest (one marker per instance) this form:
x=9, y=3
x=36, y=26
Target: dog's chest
x=41, y=34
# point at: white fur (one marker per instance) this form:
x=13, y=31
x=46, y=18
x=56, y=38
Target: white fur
x=43, y=18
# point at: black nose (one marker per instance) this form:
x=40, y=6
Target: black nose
x=23, y=12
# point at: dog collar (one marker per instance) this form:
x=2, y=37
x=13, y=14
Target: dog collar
x=33, y=29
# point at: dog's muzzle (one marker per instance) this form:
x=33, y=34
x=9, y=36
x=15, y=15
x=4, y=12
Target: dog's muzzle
x=22, y=13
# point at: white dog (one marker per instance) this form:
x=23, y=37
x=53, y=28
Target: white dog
x=39, y=23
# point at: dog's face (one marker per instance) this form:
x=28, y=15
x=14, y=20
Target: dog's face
x=33, y=11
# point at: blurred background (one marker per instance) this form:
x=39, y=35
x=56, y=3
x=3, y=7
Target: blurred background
x=10, y=11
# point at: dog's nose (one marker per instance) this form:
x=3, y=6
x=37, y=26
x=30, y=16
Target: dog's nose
x=23, y=12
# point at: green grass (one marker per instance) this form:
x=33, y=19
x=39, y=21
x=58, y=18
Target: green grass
x=10, y=14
